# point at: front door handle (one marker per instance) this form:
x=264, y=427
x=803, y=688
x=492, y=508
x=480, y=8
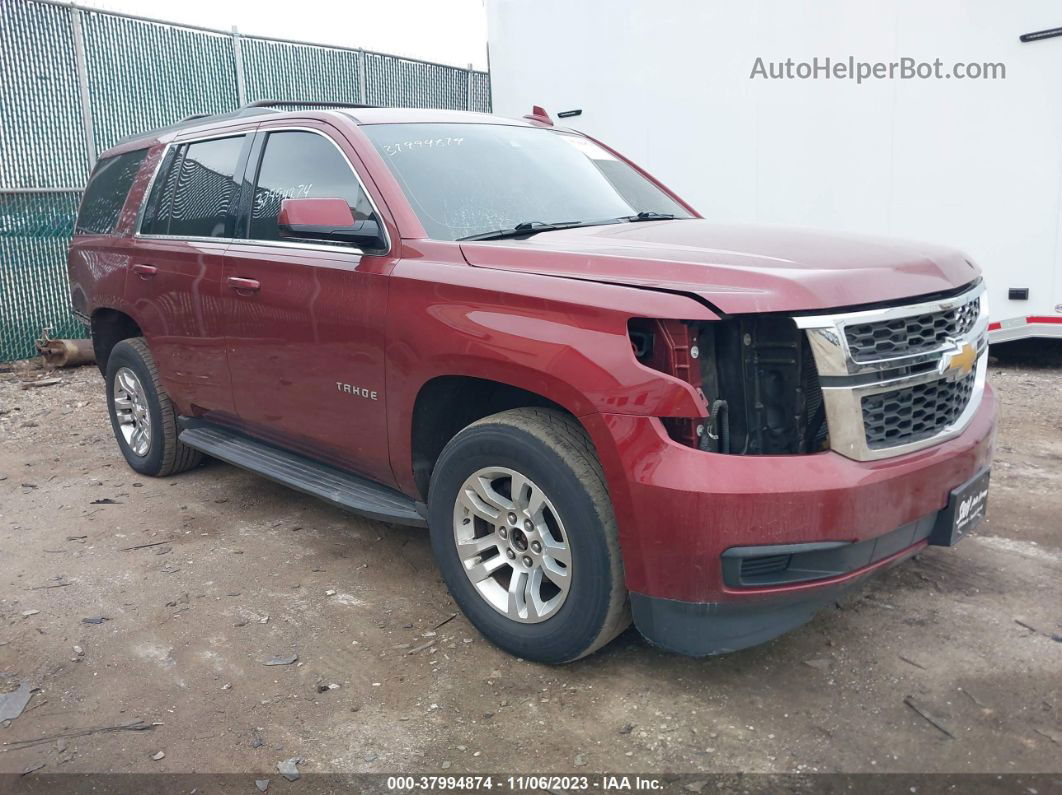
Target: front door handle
x=243, y=285
x=145, y=271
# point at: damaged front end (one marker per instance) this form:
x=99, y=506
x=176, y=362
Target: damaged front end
x=868, y=383
x=756, y=372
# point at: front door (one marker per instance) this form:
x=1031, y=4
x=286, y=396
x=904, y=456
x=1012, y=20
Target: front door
x=305, y=319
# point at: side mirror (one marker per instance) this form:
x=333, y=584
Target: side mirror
x=328, y=219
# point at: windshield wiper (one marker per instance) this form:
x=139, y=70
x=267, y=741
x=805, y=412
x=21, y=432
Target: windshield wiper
x=647, y=215
x=534, y=227
x=524, y=229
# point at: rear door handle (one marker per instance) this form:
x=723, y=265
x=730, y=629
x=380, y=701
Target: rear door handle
x=243, y=285
x=145, y=271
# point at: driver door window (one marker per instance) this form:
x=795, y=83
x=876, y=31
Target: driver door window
x=301, y=165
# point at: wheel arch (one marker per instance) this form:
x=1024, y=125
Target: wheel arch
x=109, y=327
x=446, y=404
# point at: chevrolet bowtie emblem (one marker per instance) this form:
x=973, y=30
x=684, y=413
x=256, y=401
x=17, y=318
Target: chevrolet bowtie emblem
x=960, y=362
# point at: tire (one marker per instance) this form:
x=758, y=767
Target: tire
x=159, y=453
x=577, y=603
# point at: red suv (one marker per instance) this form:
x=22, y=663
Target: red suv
x=601, y=405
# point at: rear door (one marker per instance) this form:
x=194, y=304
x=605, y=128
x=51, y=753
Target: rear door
x=174, y=282
x=305, y=319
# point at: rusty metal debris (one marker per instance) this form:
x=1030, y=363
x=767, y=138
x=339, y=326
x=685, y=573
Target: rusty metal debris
x=64, y=353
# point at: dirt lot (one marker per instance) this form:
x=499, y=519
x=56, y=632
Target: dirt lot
x=203, y=577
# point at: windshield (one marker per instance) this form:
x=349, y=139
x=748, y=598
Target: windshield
x=471, y=179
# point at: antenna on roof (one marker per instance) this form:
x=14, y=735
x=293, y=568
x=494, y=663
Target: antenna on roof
x=538, y=113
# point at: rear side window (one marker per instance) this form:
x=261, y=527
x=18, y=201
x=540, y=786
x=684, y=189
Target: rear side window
x=205, y=189
x=297, y=165
x=106, y=192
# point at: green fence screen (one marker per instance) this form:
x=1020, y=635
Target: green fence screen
x=75, y=80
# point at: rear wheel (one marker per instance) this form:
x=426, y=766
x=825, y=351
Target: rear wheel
x=523, y=531
x=142, y=416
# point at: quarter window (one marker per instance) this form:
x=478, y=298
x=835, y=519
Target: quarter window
x=301, y=165
x=106, y=192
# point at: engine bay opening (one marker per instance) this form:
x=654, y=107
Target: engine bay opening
x=756, y=372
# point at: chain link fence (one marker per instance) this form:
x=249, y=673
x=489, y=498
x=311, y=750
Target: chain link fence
x=74, y=81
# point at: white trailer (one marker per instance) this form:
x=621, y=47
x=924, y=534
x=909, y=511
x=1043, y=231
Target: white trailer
x=963, y=147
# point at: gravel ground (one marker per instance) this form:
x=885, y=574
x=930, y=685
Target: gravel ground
x=950, y=663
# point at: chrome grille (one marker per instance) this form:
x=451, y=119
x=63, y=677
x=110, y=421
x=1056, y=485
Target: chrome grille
x=901, y=378
x=908, y=335
x=916, y=413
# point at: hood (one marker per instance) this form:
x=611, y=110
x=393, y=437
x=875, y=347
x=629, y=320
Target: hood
x=736, y=268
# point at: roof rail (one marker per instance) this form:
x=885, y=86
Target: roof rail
x=250, y=109
x=305, y=103
x=198, y=118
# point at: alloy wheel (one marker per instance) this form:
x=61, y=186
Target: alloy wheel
x=131, y=411
x=512, y=544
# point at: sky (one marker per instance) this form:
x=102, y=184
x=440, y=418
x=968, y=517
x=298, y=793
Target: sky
x=447, y=31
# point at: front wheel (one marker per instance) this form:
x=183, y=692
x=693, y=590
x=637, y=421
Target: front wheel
x=523, y=531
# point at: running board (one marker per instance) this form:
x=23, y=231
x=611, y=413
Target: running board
x=342, y=489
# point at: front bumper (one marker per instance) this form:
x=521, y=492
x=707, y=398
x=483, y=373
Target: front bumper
x=704, y=628
x=700, y=629
x=679, y=509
